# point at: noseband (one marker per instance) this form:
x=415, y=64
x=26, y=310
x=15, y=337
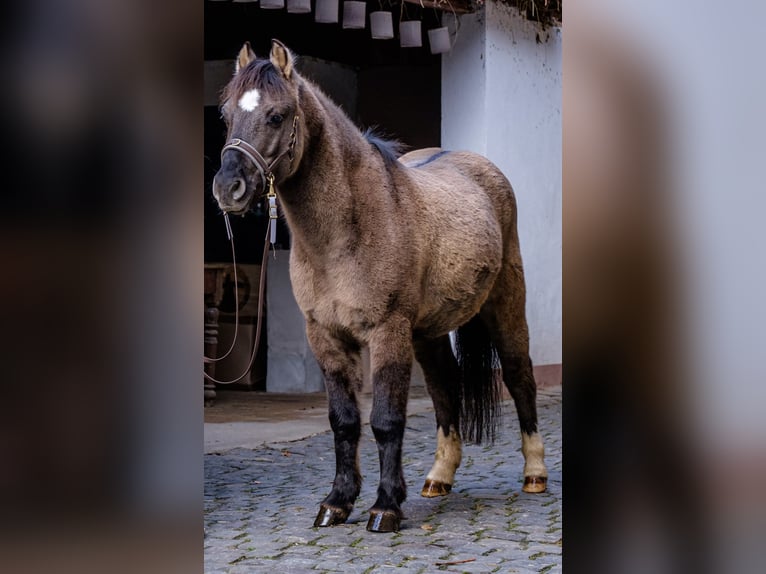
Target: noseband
x=265, y=169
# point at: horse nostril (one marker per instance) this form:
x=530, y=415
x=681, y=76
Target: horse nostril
x=237, y=189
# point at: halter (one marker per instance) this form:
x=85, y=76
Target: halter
x=265, y=169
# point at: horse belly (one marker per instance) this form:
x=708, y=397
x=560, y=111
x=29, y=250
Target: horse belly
x=454, y=292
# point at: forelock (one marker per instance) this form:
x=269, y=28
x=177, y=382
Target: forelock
x=260, y=75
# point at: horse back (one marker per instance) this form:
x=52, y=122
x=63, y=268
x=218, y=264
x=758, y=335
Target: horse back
x=465, y=174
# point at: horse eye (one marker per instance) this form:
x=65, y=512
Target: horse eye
x=275, y=120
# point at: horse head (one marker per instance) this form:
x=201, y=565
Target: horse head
x=264, y=127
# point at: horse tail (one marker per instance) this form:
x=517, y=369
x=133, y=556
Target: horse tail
x=479, y=391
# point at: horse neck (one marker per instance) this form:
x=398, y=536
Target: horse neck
x=318, y=195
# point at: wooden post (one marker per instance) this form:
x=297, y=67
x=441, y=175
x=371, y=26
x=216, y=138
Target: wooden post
x=211, y=350
x=214, y=273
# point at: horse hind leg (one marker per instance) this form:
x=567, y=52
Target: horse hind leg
x=503, y=313
x=442, y=380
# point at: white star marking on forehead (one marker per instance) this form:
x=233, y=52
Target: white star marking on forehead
x=249, y=100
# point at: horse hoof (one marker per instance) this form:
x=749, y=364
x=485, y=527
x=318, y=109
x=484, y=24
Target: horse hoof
x=330, y=516
x=382, y=521
x=534, y=484
x=434, y=488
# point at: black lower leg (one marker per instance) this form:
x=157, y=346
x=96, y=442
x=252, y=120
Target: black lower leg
x=390, y=388
x=519, y=379
x=346, y=426
x=442, y=380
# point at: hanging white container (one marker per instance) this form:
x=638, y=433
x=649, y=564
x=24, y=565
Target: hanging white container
x=272, y=4
x=353, y=14
x=326, y=12
x=381, y=25
x=409, y=34
x=299, y=6
x=438, y=39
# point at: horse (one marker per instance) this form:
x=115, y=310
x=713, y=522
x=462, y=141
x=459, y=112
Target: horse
x=390, y=254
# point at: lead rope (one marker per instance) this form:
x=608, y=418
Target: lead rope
x=270, y=234
x=267, y=176
x=271, y=196
x=230, y=235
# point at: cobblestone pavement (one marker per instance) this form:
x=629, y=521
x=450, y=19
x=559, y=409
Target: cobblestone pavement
x=260, y=506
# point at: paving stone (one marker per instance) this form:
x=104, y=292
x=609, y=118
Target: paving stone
x=260, y=506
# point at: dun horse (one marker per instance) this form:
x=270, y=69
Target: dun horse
x=390, y=254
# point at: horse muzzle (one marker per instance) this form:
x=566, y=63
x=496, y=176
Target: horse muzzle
x=231, y=192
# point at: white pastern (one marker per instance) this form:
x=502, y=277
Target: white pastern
x=534, y=453
x=249, y=100
x=448, y=455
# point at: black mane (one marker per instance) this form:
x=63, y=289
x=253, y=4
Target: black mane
x=390, y=149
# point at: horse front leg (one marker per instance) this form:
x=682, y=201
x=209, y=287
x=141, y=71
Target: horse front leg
x=341, y=365
x=391, y=367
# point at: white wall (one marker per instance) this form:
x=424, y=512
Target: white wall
x=464, y=105
x=501, y=97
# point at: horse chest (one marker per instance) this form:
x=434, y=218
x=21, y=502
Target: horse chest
x=335, y=312
x=333, y=300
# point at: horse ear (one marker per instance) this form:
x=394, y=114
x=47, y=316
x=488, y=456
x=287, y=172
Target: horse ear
x=282, y=58
x=246, y=55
